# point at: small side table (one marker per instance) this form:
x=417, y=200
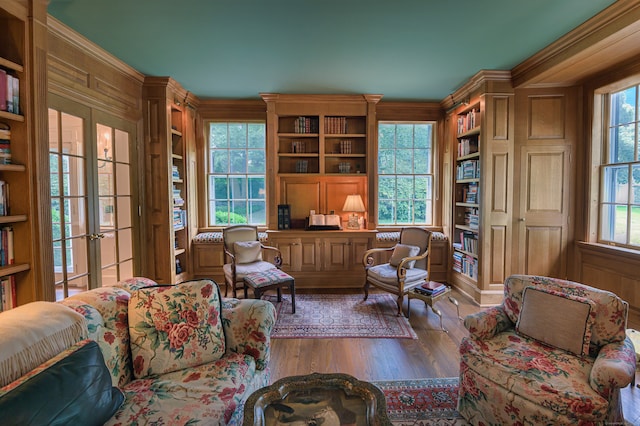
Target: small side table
x=317, y=399
x=270, y=279
x=431, y=300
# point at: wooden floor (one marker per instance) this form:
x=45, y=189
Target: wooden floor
x=433, y=354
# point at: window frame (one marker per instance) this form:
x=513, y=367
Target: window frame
x=431, y=202
x=207, y=174
x=605, y=164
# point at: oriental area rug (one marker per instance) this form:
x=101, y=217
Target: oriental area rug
x=320, y=316
x=421, y=402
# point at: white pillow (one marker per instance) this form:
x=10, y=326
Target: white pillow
x=247, y=251
x=400, y=252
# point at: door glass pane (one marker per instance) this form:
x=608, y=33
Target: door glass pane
x=126, y=269
x=123, y=208
x=122, y=146
x=68, y=203
x=114, y=171
x=123, y=176
x=125, y=249
x=108, y=249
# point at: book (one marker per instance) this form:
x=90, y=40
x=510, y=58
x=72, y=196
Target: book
x=431, y=288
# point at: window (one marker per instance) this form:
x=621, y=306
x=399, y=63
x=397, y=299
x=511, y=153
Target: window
x=236, y=173
x=620, y=172
x=405, y=173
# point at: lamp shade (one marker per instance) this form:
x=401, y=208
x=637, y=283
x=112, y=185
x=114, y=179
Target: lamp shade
x=353, y=203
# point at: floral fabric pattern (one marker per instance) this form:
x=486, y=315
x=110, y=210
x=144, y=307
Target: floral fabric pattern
x=105, y=310
x=175, y=327
x=506, y=378
x=211, y=393
x=247, y=327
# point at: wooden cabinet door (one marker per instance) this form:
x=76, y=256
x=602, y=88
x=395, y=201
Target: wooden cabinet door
x=358, y=246
x=546, y=132
x=336, y=254
x=291, y=251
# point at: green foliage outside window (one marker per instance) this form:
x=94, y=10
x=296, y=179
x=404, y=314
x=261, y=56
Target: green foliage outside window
x=405, y=177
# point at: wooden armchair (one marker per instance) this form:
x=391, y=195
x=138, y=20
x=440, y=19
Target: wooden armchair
x=407, y=268
x=243, y=253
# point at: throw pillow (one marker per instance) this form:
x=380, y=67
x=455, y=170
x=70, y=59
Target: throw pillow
x=247, y=251
x=557, y=319
x=175, y=327
x=400, y=252
x=73, y=388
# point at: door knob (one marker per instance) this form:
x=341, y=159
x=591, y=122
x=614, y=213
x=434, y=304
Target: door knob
x=521, y=219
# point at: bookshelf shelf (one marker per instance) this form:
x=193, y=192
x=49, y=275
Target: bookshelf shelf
x=9, y=270
x=11, y=116
x=13, y=218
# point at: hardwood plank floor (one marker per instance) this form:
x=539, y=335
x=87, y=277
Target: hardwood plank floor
x=433, y=354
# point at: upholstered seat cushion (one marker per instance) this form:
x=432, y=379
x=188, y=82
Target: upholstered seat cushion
x=386, y=274
x=245, y=269
x=200, y=395
x=536, y=372
x=265, y=278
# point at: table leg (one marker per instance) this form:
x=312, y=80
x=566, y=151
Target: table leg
x=439, y=314
x=292, y=290
x=279, y=294
x=455, y=302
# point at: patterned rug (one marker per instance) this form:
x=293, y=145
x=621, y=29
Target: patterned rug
x=320, y=316
x=422, y=402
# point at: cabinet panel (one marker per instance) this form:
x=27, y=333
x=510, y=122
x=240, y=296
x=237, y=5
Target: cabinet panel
x=309, y=255
x=336, y=253
x=302, y=196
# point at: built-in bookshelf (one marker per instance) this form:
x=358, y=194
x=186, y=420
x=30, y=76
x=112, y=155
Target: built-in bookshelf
x=467, y=193
x=179, y=191
x=16, y=284
x=169, y=152
x=322, y=144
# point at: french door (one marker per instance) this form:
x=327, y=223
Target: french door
x=94, y=210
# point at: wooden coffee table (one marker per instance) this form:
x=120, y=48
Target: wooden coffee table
x=317, y=399
x=431, y=300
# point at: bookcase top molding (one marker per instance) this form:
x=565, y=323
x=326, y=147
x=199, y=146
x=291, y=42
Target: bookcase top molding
x=311, y=98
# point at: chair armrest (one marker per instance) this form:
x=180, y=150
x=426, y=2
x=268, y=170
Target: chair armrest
x=247, y=327
x=486, y=324
x=614, y=367
x=367, y=257
x=277, y=257
x=411, y=259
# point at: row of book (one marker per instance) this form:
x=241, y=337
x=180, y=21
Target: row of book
x=305, y=125
x=468, y=242
x=5, y=144
x=4, y=198
x=284, y=216
x=471, y=217
x=468, y=169
x=179, y=218
x=9, y=92
x=8, y=298
x=6, y=246
x=465, y=264
x=335, y=125
x=431, y=288
x=178, y=201
x=175, y=173
x=467, y=146
x=468, y=121
x=470, y=193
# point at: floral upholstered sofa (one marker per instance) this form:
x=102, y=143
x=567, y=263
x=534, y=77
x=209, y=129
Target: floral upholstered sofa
x=177, y=355
x=554, y=352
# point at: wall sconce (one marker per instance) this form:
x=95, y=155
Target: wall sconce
x=353, y=204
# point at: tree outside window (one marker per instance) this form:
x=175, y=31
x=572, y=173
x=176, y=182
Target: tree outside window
x=405, y=173
x=620, y=173
x=236, y=173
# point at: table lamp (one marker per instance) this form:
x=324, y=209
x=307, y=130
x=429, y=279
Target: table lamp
x=353, y=204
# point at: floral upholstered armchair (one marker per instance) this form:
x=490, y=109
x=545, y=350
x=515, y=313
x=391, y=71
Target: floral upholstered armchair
x=554, y=352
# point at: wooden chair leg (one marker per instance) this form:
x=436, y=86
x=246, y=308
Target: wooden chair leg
x=366, y=290
x=292, y=290
x=400, y=299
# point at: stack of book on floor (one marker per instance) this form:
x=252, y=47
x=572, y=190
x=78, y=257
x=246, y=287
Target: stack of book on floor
x=431, y=288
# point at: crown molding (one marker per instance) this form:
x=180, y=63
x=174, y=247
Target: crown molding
x=70, y=36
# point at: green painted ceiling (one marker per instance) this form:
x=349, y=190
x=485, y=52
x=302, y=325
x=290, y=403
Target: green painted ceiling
x=407, y=50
